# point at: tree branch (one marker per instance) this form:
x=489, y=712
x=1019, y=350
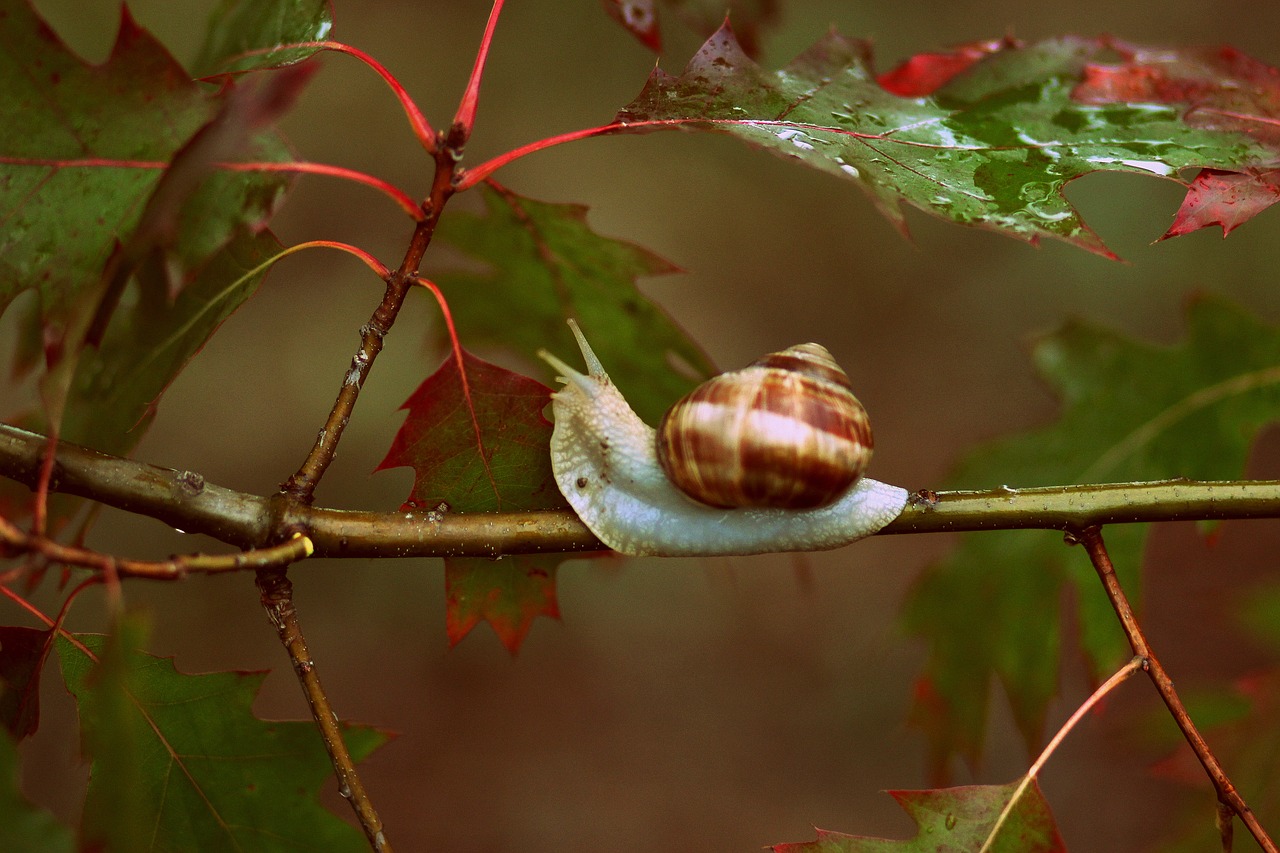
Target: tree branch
x=301, y=485
x=1091, y=538
x=183, y=499
x=277, y=600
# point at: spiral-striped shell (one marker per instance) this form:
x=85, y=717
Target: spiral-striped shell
x=785, y=431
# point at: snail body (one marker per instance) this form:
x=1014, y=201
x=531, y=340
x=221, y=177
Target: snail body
x=606, y=464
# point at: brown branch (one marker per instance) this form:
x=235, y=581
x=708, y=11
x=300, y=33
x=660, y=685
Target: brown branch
x=277, y=599
x=297, y=492
x=1228, y=796
x=301, y=486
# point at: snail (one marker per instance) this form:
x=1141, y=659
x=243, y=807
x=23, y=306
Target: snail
x=608, y=465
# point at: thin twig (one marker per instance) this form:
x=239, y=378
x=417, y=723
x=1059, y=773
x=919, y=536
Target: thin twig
x=300, y=487
x=277, y=599
x=1091, y=538
x=1110, y=684
x=40, y=507
x=298, y=491
x=178, y=566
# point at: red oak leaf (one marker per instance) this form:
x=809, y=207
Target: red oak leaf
x=925, y=73
x=508, y=594
x=481, y=445
x=1226, y=199
x=22, y=655
x=1220, y=88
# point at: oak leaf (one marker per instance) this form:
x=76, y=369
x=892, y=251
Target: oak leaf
x=956, y=820
x=1131, y=411
x=481, y=446
x=988, y=136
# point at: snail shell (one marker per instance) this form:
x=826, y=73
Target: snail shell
x=605, y=462
x=784, y=432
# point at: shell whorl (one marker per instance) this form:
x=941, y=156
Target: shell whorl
x=785, y=431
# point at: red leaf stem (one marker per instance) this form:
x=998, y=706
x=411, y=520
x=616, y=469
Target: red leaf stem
x=53, y=623
x=473, y=176
x=462, y=370
x=399, y=196
x=369, y=260
x=421, y=127
x=25, y=605
x=465, y=118
x=470, y=177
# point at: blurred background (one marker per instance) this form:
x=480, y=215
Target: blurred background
x=680, y=705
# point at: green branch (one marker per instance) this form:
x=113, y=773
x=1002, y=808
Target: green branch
x=182, y=499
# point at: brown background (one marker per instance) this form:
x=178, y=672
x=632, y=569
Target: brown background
x=681, y=705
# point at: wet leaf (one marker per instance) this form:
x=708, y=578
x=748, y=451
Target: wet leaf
x=78, y=171
x=1219, y=89
x=1131, y=411
x=989, y=135
x=955, y=819
x=246, y=35
x=1225, y=199
x=549, y=265
x=926, y=73
x=642, y=18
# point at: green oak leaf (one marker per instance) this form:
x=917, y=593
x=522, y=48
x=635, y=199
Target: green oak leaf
x=1131, y=411
x=956, y=819
x=79, y=169
x=993, y=147
x=180, y=762
x=547, y=265
x=23, y=826
x=248, y=35
x=151, y=338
